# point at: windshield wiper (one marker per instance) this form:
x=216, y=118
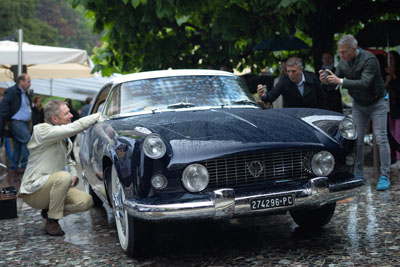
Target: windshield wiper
x=181, y=105
x=242, y=102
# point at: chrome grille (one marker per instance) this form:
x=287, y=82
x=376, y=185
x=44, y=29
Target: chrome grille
x=233, y=171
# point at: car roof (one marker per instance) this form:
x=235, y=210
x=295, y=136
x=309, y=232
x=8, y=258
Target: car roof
x=168, y=73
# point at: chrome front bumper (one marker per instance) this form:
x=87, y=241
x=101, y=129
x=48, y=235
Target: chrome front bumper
x=226, y=203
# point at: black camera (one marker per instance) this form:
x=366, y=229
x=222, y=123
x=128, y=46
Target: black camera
x=326, y=73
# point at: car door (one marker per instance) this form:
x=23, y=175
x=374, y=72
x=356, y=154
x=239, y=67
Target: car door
x=89, y=144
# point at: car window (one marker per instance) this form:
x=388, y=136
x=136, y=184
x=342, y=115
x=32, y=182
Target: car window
x=101, y=106
x=113, y=103
x=189, y=91
x=100, y=100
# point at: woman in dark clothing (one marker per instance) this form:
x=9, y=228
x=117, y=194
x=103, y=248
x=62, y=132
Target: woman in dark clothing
x=393, y=85
x=37, y=111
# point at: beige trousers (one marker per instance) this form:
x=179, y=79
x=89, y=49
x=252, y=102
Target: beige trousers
x=57, y=196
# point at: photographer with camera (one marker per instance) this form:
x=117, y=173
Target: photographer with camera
x=332, y=91
x=359, y=72
x=299, y=88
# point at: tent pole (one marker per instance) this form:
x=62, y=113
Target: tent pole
x=20, y=36
x=51, y=87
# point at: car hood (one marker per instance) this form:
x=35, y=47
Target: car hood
x=239, y=125
x=201, y=134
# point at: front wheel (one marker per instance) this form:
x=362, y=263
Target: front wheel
x=313, y=218
x=131, y=231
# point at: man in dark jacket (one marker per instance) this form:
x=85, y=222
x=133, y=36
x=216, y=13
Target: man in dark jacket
x=298, y=88
x=85, y=109
x=15, y=111
x=359, y=72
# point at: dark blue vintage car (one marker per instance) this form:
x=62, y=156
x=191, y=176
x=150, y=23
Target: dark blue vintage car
x=192, y=145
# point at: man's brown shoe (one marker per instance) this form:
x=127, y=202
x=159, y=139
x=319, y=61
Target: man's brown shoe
x=53, y=228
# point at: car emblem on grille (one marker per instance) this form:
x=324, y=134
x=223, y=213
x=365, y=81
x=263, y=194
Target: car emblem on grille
x=255, y=168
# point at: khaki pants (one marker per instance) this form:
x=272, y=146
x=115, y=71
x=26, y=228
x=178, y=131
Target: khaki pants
x=57, y=196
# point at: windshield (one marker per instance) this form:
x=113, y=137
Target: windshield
x=182, y=92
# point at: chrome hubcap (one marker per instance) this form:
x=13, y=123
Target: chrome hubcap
x=117, y=198
x=86, y=186
x=120, y=214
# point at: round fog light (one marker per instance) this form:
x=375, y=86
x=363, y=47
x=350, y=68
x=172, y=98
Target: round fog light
x=159, y=181
x=195, y=177
x=323, y=163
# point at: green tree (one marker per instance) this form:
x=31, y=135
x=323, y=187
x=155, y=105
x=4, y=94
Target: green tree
x=16, y=15
x=74, y=28
x=144, y=35
x=47, y=22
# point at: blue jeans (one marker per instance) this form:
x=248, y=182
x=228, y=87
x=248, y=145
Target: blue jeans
x=20, y=136
x=378, y=114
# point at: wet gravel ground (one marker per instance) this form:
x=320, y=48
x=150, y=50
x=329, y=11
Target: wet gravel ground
x=363, y=232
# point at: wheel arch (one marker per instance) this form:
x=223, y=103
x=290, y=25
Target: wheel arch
x=107, y=164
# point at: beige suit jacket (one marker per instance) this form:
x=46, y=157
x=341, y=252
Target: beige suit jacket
x=50, y=153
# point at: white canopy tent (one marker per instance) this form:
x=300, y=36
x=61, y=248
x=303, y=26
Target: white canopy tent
x=44, y=62
x=55, y=71
x=74, y=88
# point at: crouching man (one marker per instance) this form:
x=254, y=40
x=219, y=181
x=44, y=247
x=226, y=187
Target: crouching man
x=45, y=184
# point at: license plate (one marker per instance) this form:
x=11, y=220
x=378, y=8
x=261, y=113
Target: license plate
x=272, y=202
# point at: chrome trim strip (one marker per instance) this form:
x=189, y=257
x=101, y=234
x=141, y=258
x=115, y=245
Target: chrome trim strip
x=311, y=119
x=238, y=118
x=169, y=73
x=226, y=203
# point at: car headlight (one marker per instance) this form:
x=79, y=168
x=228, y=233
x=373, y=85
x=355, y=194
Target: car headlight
x=347, y=129
x=154, y=147
x=195, y=177
x=159, y=181
x=323, y=163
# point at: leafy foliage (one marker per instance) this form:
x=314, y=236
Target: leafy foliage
x=74, y=29
x=142, y=35
x=148, y=35
x=16, y=15
x=47, y=22
x=335, y=17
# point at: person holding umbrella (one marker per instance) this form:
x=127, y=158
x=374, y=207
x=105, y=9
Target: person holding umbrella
x=359, y=72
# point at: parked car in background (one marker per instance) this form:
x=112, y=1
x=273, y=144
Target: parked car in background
x=180, y=145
